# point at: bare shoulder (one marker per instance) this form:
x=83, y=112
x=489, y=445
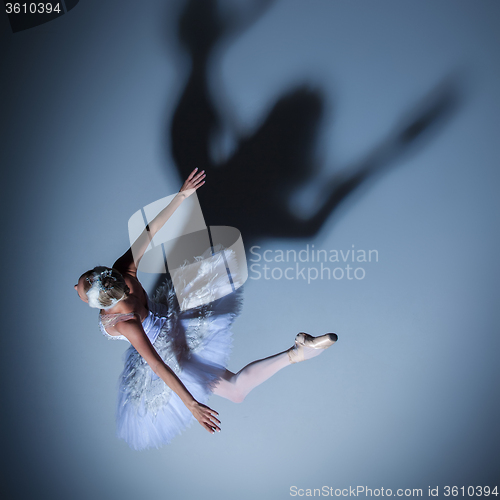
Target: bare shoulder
x=133, y=331
x=131, y=327
x=110, y=321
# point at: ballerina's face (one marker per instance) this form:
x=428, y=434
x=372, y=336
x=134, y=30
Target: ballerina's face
x=80, y=290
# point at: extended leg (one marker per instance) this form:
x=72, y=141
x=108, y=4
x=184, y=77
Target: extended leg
x=236, y=387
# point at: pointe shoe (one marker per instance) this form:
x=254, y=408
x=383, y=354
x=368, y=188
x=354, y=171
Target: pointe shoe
x=296, y=353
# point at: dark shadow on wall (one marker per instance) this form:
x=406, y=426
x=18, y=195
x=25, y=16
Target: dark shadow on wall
x=252, y=188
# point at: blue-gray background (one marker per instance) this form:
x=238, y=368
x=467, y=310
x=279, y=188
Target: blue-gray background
x=408, y=398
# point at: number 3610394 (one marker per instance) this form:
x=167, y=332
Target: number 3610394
x=32, y=8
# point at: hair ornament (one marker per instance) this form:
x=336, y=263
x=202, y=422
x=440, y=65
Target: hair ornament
x=98, y=286
x=97, y=279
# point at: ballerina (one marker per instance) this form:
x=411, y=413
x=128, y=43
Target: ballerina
x=176, y=359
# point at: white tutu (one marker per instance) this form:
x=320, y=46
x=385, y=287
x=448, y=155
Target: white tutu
x=195, y=344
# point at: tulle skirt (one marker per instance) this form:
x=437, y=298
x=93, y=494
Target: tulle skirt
x=195, y=344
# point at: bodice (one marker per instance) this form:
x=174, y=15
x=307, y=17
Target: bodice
x=152, y=323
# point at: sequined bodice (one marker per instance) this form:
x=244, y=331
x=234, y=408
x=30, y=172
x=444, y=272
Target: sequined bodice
x=152, y=324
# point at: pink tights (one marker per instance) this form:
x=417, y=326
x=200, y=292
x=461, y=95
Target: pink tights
x=236, y=386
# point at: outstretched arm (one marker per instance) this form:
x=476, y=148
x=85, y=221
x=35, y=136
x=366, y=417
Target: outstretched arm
x=134, y=332
x=129, y=261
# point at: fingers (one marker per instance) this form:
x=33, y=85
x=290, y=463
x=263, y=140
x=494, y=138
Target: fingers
x=198, y=177
x=210, y=411
x=214, y=426
x=211, y=428
x=192, y=174
x=215, y=419
x=209, y=421
x=194, y=181
x=197, y=184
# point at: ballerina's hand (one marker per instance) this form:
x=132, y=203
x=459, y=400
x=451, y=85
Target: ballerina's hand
x=205, y=416
x=193, y=182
